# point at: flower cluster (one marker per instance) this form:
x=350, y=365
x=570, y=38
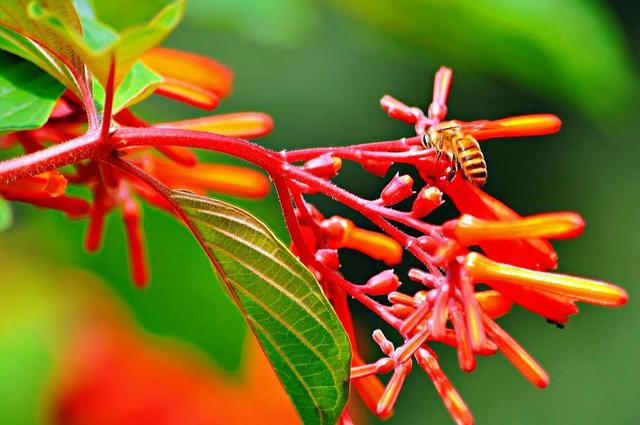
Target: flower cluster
x=189, y=78
x=513, y=258
x=123, y=159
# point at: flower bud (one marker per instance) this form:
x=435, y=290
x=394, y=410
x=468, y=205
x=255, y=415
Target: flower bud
x=376, y=167
x=382, y=283
x=428, y=199
x=399, y=110
x=398, y=189
x=325, y=166
x=329, y=258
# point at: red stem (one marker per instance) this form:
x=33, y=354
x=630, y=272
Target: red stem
x=73, y=151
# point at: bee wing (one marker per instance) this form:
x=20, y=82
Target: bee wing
x=518, y=126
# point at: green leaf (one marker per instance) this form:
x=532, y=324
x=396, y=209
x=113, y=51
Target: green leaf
x=27, y=95
x=136, y=85
x=101, y=44
x=282, y=302
x=569, y=50
x=20, y=35
x=139, y=83
x=6, y=216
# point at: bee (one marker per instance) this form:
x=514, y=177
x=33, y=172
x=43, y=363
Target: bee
x=448, y=138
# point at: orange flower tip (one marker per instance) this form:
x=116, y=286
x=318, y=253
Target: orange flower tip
x=427, y=200
x=376, y=167
x=228, y=179
x=48, y=184
x=248, y=125
x=518, y=126
x=376, y=245
x=382, y=283
x=398, y=110
x=324, y=166
x=482, y=269
x=469, y=230
x=190, y=68
x=493, y=303
x=329, y=258
x=398, y=189
x=189, y=94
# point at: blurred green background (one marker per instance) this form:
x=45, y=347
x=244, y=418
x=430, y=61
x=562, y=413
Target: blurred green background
x=319, y=68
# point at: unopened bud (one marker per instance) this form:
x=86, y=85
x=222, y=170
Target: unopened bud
x=325, y=166
x=398, y=189
x=428, y=199
x=382, y=283
x=385, y=345
x=428, y=244
x=420, y=276
x=401, y=311
x=376, y=167
x=329, y=258
x=336, y=230
x=399, y=110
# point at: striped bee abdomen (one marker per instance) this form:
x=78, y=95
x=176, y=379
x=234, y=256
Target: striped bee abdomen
x=471, y=160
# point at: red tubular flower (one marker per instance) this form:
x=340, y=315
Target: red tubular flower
x=201, y=178
x=522, y=360
x=247, y=125
x=45, y=185
x=535, y=253
x=188, y=77
x=342, y=233
x=459, y=411
x=481, y=269
x=469, y=230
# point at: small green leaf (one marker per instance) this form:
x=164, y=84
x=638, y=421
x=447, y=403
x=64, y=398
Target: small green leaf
x=17, y=29
x=281, y=301
x=101, y=44
x=139, y=83
x=6, y=216
x=27, y=95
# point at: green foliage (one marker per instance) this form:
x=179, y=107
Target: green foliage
x=100, y=46
x=17, y=29
x=32, y=332
x=569, y=50
x=27, y=95
x=282, y=302
x=274, y=22
x=138, y=84
x=6, y=216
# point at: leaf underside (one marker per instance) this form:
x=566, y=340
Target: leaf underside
x=282, y=302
